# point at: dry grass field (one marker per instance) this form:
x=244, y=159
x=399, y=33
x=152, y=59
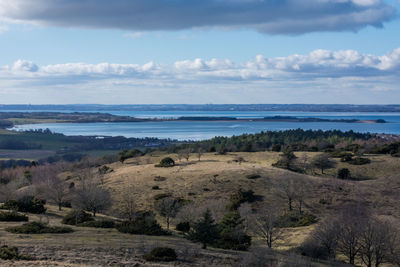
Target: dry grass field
x=213, y=179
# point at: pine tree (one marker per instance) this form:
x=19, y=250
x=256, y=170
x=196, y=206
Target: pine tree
x=205, y=230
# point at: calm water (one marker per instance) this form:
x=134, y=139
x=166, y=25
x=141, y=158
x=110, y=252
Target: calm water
x=198, y=130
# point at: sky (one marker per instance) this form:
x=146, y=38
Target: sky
x=199, y=51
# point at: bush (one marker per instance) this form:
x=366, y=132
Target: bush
x=161, y=254
x=144, y=223
x=26, y=204
x=359, y=161
x=166, y=163
x=241, y=197
x=38, y=228
x=253, y=176
x=296, y=220
x=276, y=148
x=76, y=217
x=344, y=173
x=314, y=250
x=98, y=224
x=11, y=253
x=161, y=196
x=183, y=227
x=346, y=158
x=155, y=187
x=12, y=217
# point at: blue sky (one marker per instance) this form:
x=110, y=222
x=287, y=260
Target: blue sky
x=209, y=51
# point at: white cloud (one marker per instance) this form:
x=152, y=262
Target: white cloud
x=319, y=74
x=272, y=17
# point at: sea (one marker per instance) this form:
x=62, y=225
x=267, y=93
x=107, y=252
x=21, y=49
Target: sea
x=201, y=130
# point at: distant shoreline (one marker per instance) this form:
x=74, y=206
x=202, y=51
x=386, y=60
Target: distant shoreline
x=10, y=119
x=206, y=107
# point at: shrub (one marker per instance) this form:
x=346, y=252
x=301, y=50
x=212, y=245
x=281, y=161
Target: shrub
x=98, y=224
x=166, y=163
x=155, y=187
x=183, y=227
x=359, y=161
x=12, y=217
x=38, y=228
x=296, y=220
x=276, y=148
x=344, y=173
x=161, y=196
x=11, y=253
x=241, y=197
x=76, y=217
x=314, y=250
x=144, y=223
x=253, y=176
x=339, y=154
x=26, y=204
x=161, y=254
x=346, y=158
x=159, y=179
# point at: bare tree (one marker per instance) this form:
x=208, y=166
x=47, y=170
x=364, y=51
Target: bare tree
x=288, y=190
x=186, y=153
x=377, y=242
x=352, y=224
x=51, y=186
x=127, y=202
x=168, y=208
x=90, y=196
x=265, y=225
x=322, y=162
x=200, y=152
x=326, y=236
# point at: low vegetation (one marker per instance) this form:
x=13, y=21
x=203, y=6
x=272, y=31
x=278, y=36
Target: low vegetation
x=13, y=217
x=161, y=254
x=38, y=228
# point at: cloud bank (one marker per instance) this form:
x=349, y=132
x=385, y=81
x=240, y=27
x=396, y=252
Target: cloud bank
x=266, y=16
x=319, y=76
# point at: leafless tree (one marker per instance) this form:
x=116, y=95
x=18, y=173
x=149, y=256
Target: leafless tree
x=288, y=190
x=322, y=162
x=377, y=242
x=51, y=186
x=127, y=202
x=265, y=225
x=91, y=196
x=186, y=153
x=326, y=236
x=193, y=211
x=168, y=208
x=200, y=152
x=352, y=224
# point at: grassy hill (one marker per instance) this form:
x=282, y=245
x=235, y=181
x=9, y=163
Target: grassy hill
x=211, y=182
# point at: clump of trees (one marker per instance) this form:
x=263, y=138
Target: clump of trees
x=29, y=204
x=358, y=236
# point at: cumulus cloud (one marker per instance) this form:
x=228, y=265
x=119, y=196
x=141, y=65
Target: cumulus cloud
x=317, y=64
x=323, y=76
x=267, y=16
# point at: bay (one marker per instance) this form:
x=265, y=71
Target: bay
x=200, y=130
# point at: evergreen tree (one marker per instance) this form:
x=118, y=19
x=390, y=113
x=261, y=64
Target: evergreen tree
x=205, y=230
